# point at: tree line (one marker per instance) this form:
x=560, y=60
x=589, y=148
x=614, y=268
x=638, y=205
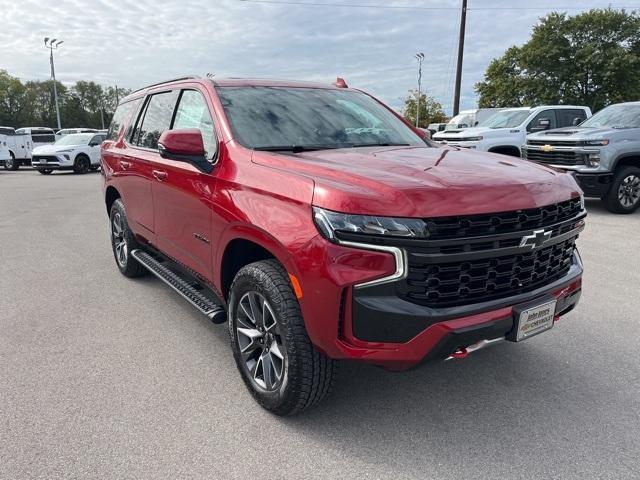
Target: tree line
x=32, y=104
x=591, y=59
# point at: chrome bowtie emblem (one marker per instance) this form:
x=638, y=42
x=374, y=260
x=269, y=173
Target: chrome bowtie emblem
x=535, y=240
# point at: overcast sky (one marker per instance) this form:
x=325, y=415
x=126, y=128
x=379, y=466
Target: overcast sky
x=136, y=42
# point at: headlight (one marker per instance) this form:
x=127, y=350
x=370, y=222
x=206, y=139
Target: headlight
x=596, y=143
x=329, y=223
x=471, y=139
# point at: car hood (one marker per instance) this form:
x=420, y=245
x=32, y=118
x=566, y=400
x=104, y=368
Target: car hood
x=574, y=133
x=475, y=132
x=46, y=149
x=423, y=181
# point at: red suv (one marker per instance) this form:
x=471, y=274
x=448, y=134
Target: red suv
x=323, y=227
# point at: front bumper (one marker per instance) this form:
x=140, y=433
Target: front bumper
x=51, y=162
x=360, y=324
x=594, y=184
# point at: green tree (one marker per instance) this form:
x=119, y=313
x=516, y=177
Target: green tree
x=430, y=110
x=588, y=59
x=85, y=104
x=12, y=99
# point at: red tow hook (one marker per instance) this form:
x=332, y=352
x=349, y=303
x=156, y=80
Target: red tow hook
x=556, y=318
x=460, y=353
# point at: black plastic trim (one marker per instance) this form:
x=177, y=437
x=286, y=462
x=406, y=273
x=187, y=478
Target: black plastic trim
x=594, y=184
x=379, y=315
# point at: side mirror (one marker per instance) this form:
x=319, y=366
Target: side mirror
x=184, y=145
x=94, y=144
x=576, y=121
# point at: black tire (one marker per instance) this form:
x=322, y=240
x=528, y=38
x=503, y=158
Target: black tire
x=45, y=171
x=624, y=194
x=123, y=241
x=12, y=163
x=81, y=164
x=307, y=376
x=94, y=168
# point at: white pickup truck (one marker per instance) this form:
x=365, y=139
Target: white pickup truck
x=505, y=132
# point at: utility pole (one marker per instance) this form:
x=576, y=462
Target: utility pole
x=53, y=45
x=420, y=57
x=463, y=23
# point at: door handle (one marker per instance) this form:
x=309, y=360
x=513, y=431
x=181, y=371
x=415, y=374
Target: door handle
x=160, y=175
x=124, y=165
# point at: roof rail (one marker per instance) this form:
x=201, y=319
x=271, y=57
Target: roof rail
x=188, y=77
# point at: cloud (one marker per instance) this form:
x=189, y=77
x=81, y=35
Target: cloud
x=133, y=43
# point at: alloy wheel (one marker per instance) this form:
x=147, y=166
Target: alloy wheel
x=119, y=241
x=629, y=191
x=260, y=341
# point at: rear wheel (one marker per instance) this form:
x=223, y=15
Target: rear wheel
x=12, y=163
x=82, y=164
x=45, y=171
x=624, y=194
x=280, y=366
x=123, y=241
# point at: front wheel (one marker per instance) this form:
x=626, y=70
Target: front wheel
x=624, y=194
x=280, y=366
x=81, y=165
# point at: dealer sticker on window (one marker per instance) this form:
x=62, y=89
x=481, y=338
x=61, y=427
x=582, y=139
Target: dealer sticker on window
x=535, y=320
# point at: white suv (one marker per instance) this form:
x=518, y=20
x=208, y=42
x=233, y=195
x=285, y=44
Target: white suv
x=506, y=131
x=79, y=152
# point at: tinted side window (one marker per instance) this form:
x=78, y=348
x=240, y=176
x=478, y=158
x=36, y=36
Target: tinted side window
x=193, y=112
x=120, y=115
x=546, y=114
x=157, y=118
x=566, y=117
x=43, y=137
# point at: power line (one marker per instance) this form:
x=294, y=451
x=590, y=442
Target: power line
x=413, y=7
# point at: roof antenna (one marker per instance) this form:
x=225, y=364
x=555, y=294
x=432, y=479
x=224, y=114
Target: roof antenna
x=340, y=83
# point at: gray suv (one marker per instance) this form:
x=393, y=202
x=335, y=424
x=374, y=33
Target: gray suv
x=603, y=151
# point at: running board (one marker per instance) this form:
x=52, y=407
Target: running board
x=206, y=305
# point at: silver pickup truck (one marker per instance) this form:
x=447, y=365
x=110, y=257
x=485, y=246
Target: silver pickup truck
x=603, y=151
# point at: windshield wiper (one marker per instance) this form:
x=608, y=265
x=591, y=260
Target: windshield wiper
x=295, y=148
x=381, y=144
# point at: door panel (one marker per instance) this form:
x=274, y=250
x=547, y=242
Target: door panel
x=182, y=198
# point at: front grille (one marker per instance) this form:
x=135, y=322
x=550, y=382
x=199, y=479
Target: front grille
x=473, y=281
x=555, y=143
x=45, y=159
x=447, y=228
x=555, y=157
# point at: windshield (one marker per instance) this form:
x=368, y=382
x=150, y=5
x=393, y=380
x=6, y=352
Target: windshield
x=462, y=120
x=506, y=119
x=75, y=139
x=284, y=118
x=615, y=116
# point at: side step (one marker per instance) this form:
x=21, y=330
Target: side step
x=208, y=306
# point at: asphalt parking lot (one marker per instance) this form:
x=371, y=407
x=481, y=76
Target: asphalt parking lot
x=106, y=377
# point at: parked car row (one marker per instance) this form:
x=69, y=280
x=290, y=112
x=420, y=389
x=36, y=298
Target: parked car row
x=602, y=151
x=74, y=149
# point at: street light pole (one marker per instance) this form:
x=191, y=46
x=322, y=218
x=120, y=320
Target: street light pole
x=52, y=45
x=420, y=57
x=463, y=23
